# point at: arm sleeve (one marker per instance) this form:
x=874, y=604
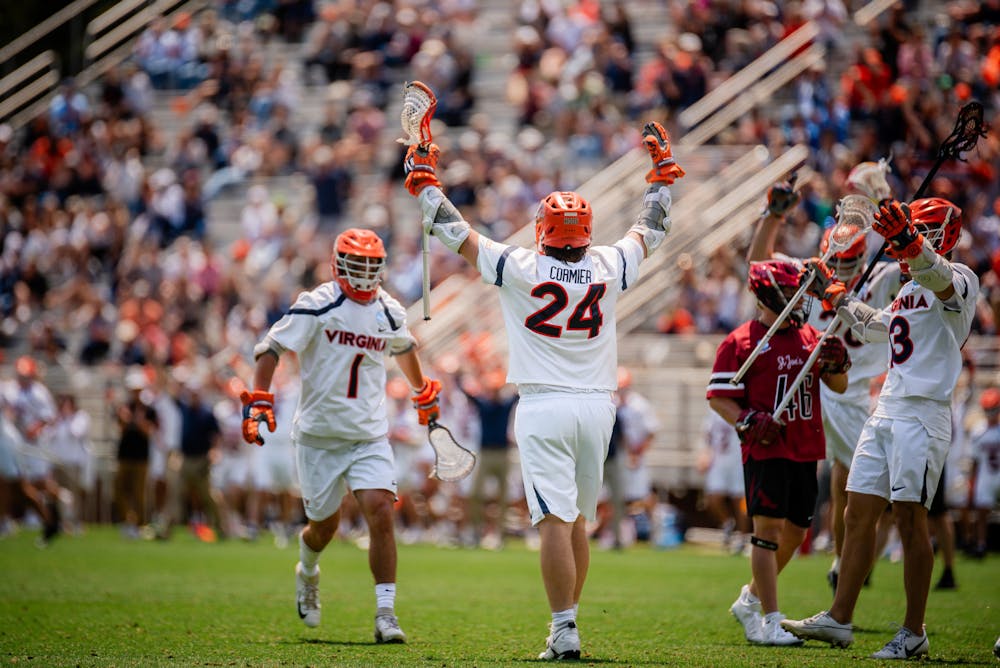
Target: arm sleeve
x=727, y=363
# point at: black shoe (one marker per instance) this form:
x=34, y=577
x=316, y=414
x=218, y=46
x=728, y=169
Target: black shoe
x=831, y=577
x=947, y=580
x=51, y=528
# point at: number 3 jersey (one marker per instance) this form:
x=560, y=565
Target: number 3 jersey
x=926, y=337
x=342, y=347
x=763, y=386
x=560, y=317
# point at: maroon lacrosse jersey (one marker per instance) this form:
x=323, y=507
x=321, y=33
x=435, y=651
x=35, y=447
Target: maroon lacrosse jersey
x=763, y=386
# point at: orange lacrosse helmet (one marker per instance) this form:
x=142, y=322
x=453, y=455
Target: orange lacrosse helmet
x=848, y=262
x=563, y=220
x=938, y=220
x=358, y=262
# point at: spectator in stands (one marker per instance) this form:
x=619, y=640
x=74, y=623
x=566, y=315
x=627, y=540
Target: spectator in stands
x=137, y=422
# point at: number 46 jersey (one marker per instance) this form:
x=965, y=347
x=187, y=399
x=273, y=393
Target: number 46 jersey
x=560, y=316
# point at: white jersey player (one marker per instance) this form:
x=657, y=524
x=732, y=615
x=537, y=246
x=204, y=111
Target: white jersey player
x=342, y=332
x=986, y=458
x=558, y=304
x=904, y=443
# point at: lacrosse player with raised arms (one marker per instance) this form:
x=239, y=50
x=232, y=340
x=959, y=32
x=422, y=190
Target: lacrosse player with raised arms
x=843, y=414
x=779, y=452
x=342, y=331
x=558, y=303
x=903, y=445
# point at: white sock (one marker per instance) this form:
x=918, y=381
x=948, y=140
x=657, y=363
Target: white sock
x=576, y=610
x=308, y=557
x=563, y=617
x=385, y=595
x=835, y=567
x=773, y=617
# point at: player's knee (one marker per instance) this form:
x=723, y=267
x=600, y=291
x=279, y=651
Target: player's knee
x=764, y=544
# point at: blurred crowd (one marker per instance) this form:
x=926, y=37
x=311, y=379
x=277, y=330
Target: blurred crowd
x=109, y=258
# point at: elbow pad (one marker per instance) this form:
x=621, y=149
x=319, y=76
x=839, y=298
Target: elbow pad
x=654, y=219
x=930, y=269
x=442, y=219
x=863, y=321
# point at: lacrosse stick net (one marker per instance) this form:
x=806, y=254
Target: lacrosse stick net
x=419, y=104
x=452, y=462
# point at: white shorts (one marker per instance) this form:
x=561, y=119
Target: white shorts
x=842, y=424
x=898, y=459
x=725, y=476
x=275, y=468
x=563, y=439
x=987, y=489
x=326, y=474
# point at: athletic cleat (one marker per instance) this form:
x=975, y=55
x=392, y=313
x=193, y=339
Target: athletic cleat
x=387, y=627
x=773, y=634
x=821, y=627
x=562, y=644
x=906, y=645
x=749, y=615
x=307, y=596
x=996, y=649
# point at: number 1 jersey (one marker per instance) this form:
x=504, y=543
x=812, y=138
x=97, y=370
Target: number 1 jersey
x=560, y=316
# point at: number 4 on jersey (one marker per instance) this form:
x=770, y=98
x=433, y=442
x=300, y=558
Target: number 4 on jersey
x=586, y=316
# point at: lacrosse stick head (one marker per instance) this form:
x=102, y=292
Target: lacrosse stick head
x=969, y=127
x=772, y=282
x=869, y=179
x=419, y=103
x=844, y=244
x=452, y=462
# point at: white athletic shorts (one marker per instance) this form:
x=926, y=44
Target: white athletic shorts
x=899, y=459
x=842, y=424
x=326, y=473
x=725, y=476
x=987, y=489
x=563, y=439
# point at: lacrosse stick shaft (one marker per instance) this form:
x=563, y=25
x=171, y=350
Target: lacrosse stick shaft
x=804, y=371
x=426, y=256
x=776, y=325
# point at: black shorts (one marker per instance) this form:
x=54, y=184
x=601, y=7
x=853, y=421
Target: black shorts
x=937, y=503
x=782, y=489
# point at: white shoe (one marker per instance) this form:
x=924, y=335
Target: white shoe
x=773, y=634
x=562, y=644
x=906, y=645
x=307, y=596
x=387, y=627
x=749, y=615
x=821, y=627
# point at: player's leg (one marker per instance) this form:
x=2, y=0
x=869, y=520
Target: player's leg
x=838, y=503
x=918, y=560
x=558, y=562
x=860, y=517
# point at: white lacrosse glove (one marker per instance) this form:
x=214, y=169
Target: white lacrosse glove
x=441, y=219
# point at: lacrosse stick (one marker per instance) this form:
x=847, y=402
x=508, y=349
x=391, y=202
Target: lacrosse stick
x=964, y=137
x=452, y=462
x=419, y=104
x=855, y=215
x=968, y=129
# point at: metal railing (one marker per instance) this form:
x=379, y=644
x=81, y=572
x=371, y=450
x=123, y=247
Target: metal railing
x=23, y=87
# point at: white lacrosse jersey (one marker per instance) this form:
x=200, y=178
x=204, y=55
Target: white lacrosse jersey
x=868, y=360
x=926, y=338
x=560, y=317
x=342, y=346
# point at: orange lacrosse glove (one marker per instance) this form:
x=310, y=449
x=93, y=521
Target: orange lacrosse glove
x=258, y=406
x=824, y=284
x=665, y=170
x=420, y=166
x=892, y=221
x=425, y=400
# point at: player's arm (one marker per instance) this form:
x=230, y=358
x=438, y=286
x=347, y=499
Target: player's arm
x=781, y=197
x=728, y=409
x=258, y=404
x=927, y=268
x=833, y=363
x=440, y=217
x=425, y=390
x=866, y=323
x=654, y=219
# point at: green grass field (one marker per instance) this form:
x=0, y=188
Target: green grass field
x=98, y=600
